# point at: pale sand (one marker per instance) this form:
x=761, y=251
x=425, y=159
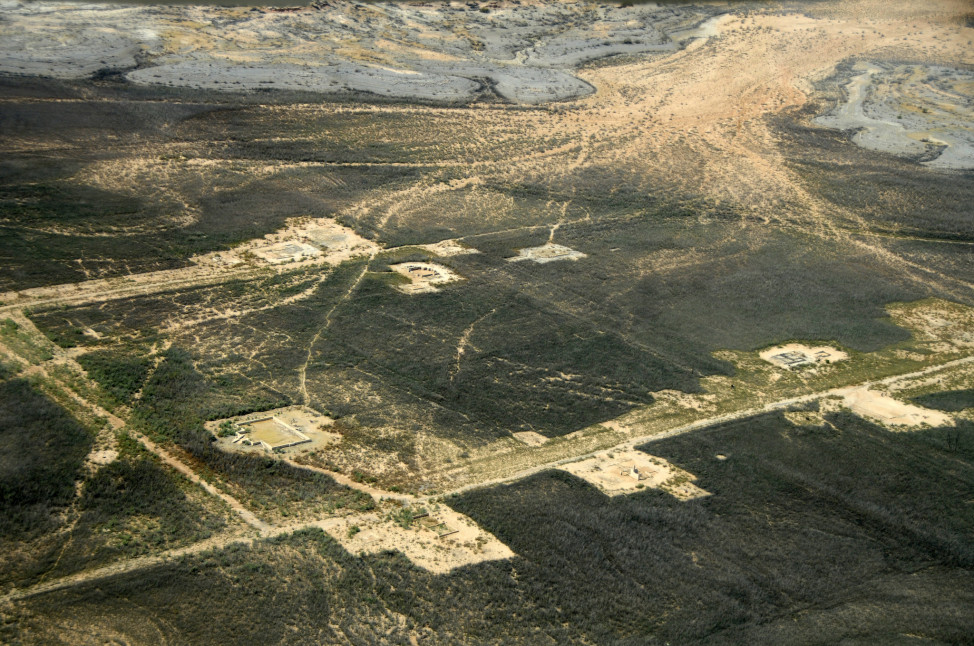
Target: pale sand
x=881, y=407
x=420, y=544
x=609, y=471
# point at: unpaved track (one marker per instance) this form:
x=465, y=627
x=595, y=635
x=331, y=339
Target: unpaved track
x=632, y=443
x=341, y=478
x=695, y=120
x=268, y=531
x=303, y=370
x=118, y=423
x=101, y=290
x=180, y=466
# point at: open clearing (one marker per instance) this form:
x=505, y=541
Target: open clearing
x=439, y=539
x=546, y=253
x=424, y=277
x=181, y=250
x=293, y=429
x=880, y=407
x=621, y=472
x=530, y=438
x=287, y=252
x=795, y=355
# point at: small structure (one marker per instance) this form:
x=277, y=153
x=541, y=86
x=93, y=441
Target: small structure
x=620, y=472
x=270, y=433
x=423, y=276
x=796, y=355
x=275, y=430
x=792, y=359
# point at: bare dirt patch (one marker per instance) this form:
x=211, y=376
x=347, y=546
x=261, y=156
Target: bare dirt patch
x=287, y=252
x=796, y=355
x=546, y=253
x=881, y=407
x=622, y=472
x=424, y=277
x=103, y=457
x=531, y=438
x=293, y=429
x=943, y=325
x=439, y=542
x=448, y=248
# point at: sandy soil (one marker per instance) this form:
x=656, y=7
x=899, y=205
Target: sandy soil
x=421, y=543
x=424, y=277
x=880, y=407
x=792, y=351
x=531, y=438
x=287, y=252
x=546, y=253
x=305, y=420
x=103, y=457
x=448, y=248
x=612, y=472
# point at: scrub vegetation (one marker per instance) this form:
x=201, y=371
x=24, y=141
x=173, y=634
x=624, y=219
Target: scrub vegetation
x=624, y=264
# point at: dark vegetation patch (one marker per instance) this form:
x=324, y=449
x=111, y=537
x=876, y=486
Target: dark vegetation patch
x=954, y=260
x=42, y=451
x=120, y=374
x=275, y=487
x=177, y=400
x=807, y=538
x=130, y=507
x=565, y=344
x=784, y=287
x=799, y=517
x=136, y=319
x=556, y=372
x=305, y=133
x=916, y=493
x=55, y=229
x=951, y=401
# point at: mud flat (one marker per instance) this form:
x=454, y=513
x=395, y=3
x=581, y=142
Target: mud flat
x=523, y=53
x=69, y=41
x=920, y=111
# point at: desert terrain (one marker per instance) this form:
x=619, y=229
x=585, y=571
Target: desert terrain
x=488, y=322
